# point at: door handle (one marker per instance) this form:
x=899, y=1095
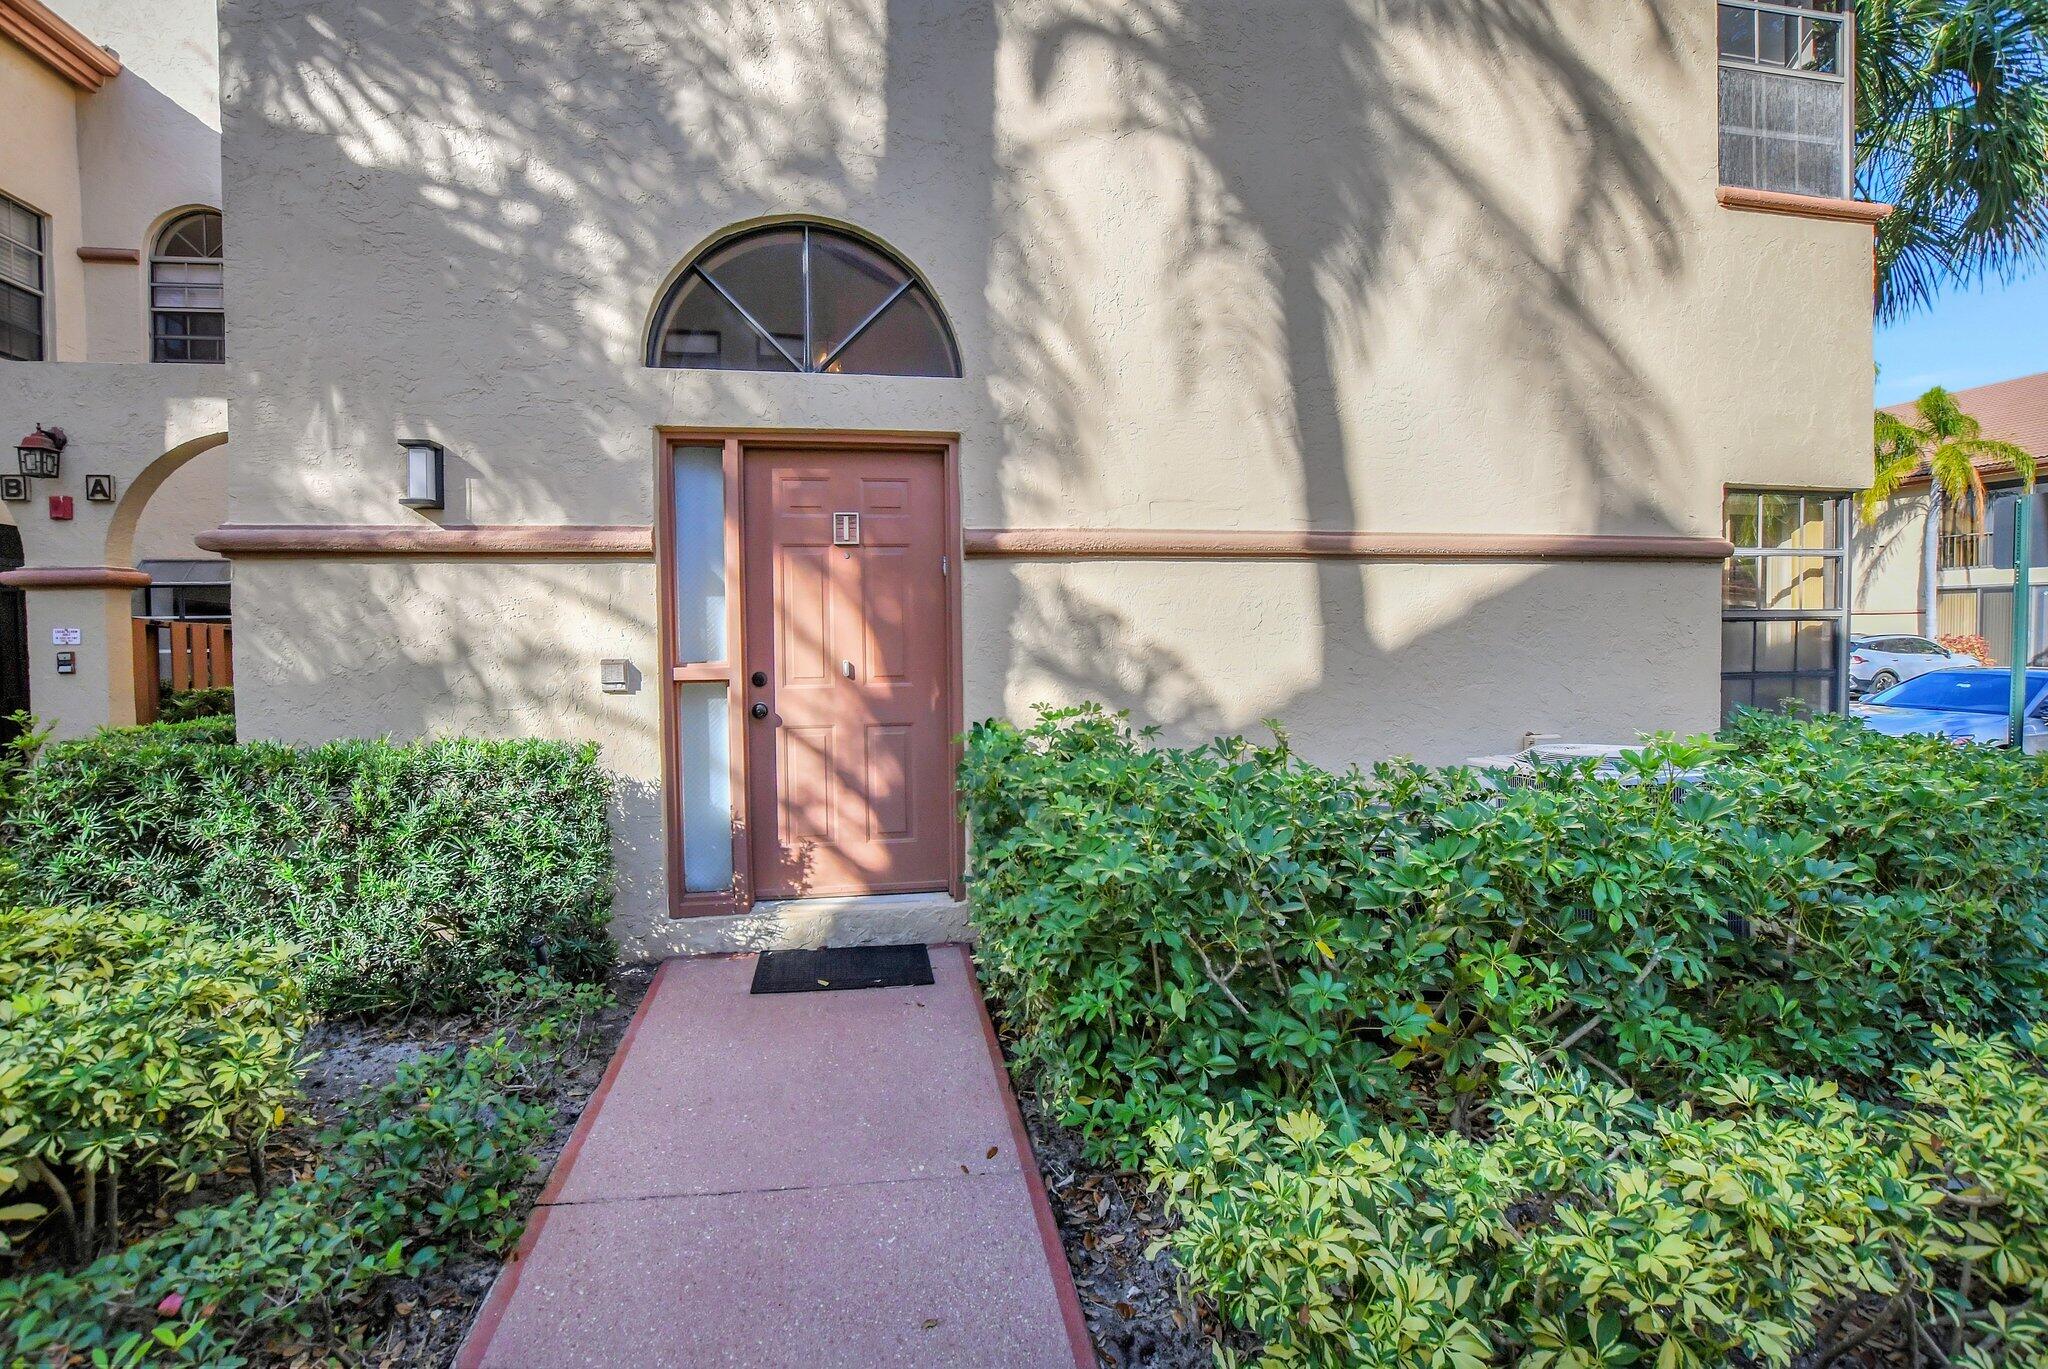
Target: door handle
x=846, y=669
x=759, y=710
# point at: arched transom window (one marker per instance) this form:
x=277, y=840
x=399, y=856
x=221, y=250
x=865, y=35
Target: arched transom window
x=186, y=322
x=803, y=297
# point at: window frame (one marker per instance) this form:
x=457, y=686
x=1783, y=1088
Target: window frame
x=1846, y=77
x=1834, y=556
x=158, y=258
x=40, y=292
x=799, y=363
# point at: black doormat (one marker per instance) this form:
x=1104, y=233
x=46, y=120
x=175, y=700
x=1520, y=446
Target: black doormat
x=850, y=967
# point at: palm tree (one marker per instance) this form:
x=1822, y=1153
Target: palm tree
x=1951, y=448
x=1952, y=128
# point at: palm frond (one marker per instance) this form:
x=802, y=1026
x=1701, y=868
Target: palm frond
x=1942, y=419
x=1895, y=456
x=1985, y=452
x=1952, y=129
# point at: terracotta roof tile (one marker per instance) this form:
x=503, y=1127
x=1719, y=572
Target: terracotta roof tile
x=2014, y=411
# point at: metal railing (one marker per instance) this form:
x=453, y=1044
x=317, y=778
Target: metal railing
x=1965, y=550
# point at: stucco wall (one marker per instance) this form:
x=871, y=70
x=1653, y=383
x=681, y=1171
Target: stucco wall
x=139, y=424
x=107, y=167
x=486, y=648
x=1468, y=274
x=148, y=144
x=39, y=168
x=1887, y=565
x=1457, y=660
x=1385, y=266
x=188, y=503
x=121, y=421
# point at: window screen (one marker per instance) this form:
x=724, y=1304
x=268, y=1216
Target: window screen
x=1785, y=99
x=21, y=282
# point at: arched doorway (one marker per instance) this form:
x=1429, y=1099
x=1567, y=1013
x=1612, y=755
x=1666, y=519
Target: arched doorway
x=182, y=621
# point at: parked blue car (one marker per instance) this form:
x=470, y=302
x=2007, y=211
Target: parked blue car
x=1970, y=705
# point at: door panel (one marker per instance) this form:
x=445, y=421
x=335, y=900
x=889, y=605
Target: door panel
x=854, y=757
x=887, y=781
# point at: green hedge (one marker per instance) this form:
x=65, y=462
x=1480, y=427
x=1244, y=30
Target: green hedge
x=215, y=701
x=1177, y=929
x=406, y=874
x=1351, y=1022
x=216, y=728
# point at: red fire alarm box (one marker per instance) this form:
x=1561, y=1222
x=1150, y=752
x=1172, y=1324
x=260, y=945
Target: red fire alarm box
x=60, y=508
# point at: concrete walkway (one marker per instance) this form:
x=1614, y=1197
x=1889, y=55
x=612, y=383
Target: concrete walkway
x=794, y=1179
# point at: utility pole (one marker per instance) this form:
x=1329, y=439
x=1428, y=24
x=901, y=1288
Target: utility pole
x=2022, y=617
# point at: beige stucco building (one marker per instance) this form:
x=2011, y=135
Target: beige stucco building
x=1973, y=549
x=113, y=141
x=1381, y=367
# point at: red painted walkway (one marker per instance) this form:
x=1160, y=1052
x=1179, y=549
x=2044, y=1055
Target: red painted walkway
x=795, y=1179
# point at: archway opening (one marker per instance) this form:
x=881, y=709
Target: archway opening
x=182, y=621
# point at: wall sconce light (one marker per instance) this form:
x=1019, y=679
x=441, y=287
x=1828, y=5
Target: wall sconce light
x=39, y=452
x=425, y=484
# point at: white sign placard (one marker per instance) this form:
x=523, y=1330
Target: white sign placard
x=66, y=636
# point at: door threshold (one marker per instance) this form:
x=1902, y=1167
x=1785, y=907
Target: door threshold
x=841, y=903
x=931, y=919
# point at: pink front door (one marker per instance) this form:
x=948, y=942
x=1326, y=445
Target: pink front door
x=850, y=763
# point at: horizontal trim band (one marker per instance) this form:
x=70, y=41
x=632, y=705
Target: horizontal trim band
x=56, y=44
x=75, y=577
x=634, y=541
x=607, y=540
x=1803, y=206
x=117, y=254
x=1190, y=545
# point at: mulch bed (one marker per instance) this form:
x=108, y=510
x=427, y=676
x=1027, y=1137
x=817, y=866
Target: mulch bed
x=421, y=1322
x=1138, y=1313
x=412, y=1321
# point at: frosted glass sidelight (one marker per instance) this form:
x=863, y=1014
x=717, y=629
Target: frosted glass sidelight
x=700, y=554
x=707, y=787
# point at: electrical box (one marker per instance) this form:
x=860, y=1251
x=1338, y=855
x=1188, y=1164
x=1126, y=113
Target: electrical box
x=67, y=663
x=616, y=676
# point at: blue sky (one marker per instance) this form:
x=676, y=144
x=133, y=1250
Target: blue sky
x=1969, y=337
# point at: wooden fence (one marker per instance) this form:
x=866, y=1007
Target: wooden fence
x=202, y=656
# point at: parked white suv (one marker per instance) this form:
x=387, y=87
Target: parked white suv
x=1878, y=663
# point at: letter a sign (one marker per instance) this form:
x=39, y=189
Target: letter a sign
x=99, y=489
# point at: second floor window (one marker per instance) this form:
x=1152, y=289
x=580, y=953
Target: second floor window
x=21, y=282
x=186, y=322
x=1787, y=112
